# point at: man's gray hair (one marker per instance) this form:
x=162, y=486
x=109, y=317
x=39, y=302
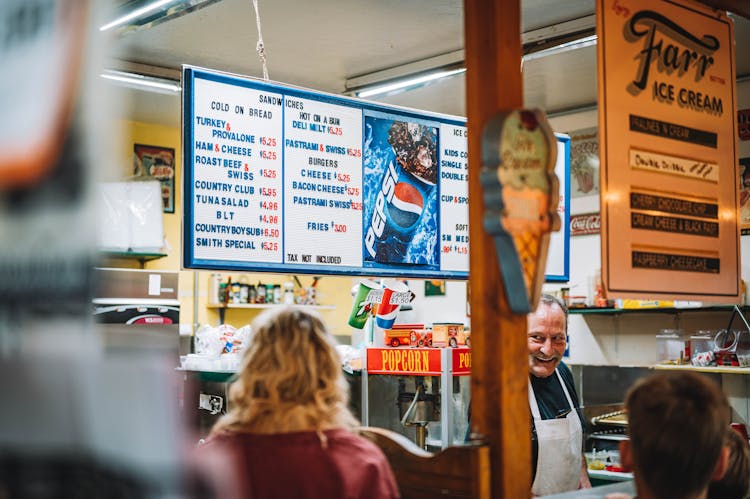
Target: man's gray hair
x=550, y=300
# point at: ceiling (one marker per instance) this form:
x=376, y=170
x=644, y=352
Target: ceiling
x=320, y=44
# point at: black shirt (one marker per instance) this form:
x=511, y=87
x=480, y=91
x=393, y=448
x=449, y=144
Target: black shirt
x=552, y=402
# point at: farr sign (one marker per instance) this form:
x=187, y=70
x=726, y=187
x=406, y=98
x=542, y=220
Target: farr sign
x=668, y=146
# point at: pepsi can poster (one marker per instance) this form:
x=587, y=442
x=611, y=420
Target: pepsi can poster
x=285, y=179
x=400, y=164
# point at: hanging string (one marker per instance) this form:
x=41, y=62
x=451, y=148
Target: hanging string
x=260, y=48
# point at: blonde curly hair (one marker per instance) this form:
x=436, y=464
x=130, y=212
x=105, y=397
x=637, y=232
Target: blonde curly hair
x=290, y=378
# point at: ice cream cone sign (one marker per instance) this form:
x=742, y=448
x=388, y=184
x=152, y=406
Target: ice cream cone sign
x=520, y=191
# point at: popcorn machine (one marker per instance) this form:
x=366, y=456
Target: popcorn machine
x=422, y=393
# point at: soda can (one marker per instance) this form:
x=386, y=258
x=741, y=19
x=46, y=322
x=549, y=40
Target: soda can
x=399, y=208
x=367, y=295
x=395, y=294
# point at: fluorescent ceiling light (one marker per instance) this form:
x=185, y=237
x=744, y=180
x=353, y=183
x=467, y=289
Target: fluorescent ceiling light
x=411, y=82
x=137, y=13
x=418, y=73
x=142, y=82
x=405, y=76
x=144, y=14
x=580, y=43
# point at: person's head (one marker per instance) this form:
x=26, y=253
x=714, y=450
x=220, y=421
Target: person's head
x=677, y=427
x=290, y=378
x=735, y=484
x=546, y=336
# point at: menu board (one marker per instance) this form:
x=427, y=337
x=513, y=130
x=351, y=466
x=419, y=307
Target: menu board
x=667, y=107
x=284, y=179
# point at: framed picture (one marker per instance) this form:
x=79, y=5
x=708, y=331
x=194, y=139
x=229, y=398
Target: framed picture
x=745, y=196
x=155, y=162
x=434, y=288
x=584, y=171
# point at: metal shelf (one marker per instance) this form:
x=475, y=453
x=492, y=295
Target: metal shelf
x=256, y=306
x=142, y=258
x=660, y=310
x=215, y=376
x=270, y=305
x=706, y=369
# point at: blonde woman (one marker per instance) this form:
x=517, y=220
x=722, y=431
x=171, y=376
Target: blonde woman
x=288, y=430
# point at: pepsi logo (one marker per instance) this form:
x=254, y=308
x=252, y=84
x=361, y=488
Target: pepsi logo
x=406, y=205
x=386, y=315
x=377, y=223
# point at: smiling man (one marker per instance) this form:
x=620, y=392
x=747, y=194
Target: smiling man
x=557, y=424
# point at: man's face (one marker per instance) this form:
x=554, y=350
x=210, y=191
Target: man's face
x=546, y=339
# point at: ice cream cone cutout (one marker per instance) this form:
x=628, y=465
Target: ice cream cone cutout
x=521, y=194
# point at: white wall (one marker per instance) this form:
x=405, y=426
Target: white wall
x=430, y=309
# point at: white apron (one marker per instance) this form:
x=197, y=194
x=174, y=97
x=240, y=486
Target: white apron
x=558, y=464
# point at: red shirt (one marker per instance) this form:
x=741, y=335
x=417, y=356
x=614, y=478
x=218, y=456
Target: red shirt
x=297, y=465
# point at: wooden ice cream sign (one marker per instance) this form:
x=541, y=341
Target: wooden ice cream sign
x=520, y=199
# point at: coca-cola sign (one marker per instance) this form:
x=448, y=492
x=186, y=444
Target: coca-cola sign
x=583, y=225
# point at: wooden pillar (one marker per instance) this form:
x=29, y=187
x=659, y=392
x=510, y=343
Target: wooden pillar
x=500, y=410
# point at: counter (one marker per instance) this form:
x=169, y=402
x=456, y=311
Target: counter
x=597, y=492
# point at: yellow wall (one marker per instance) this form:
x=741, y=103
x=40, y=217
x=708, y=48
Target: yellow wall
x=331, y=290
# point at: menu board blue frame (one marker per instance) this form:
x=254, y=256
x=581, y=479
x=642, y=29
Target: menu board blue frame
x=284, y=179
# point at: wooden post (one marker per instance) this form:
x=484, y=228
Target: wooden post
x=500, y=410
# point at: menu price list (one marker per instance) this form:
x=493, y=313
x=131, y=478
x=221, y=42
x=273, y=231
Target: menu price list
x=670, y=151
x=237, y=173
x=454, y=198
x=323, y=183
x=281, y=176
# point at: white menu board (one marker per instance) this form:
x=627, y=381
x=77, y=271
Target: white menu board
x=323, y=183
x=454, y=197
x=283, y=179
x=236, y=190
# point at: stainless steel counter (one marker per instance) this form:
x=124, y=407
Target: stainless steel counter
x=596, y=492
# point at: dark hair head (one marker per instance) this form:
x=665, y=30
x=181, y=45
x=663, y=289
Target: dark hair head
x=677, y=424
x=735, y=484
